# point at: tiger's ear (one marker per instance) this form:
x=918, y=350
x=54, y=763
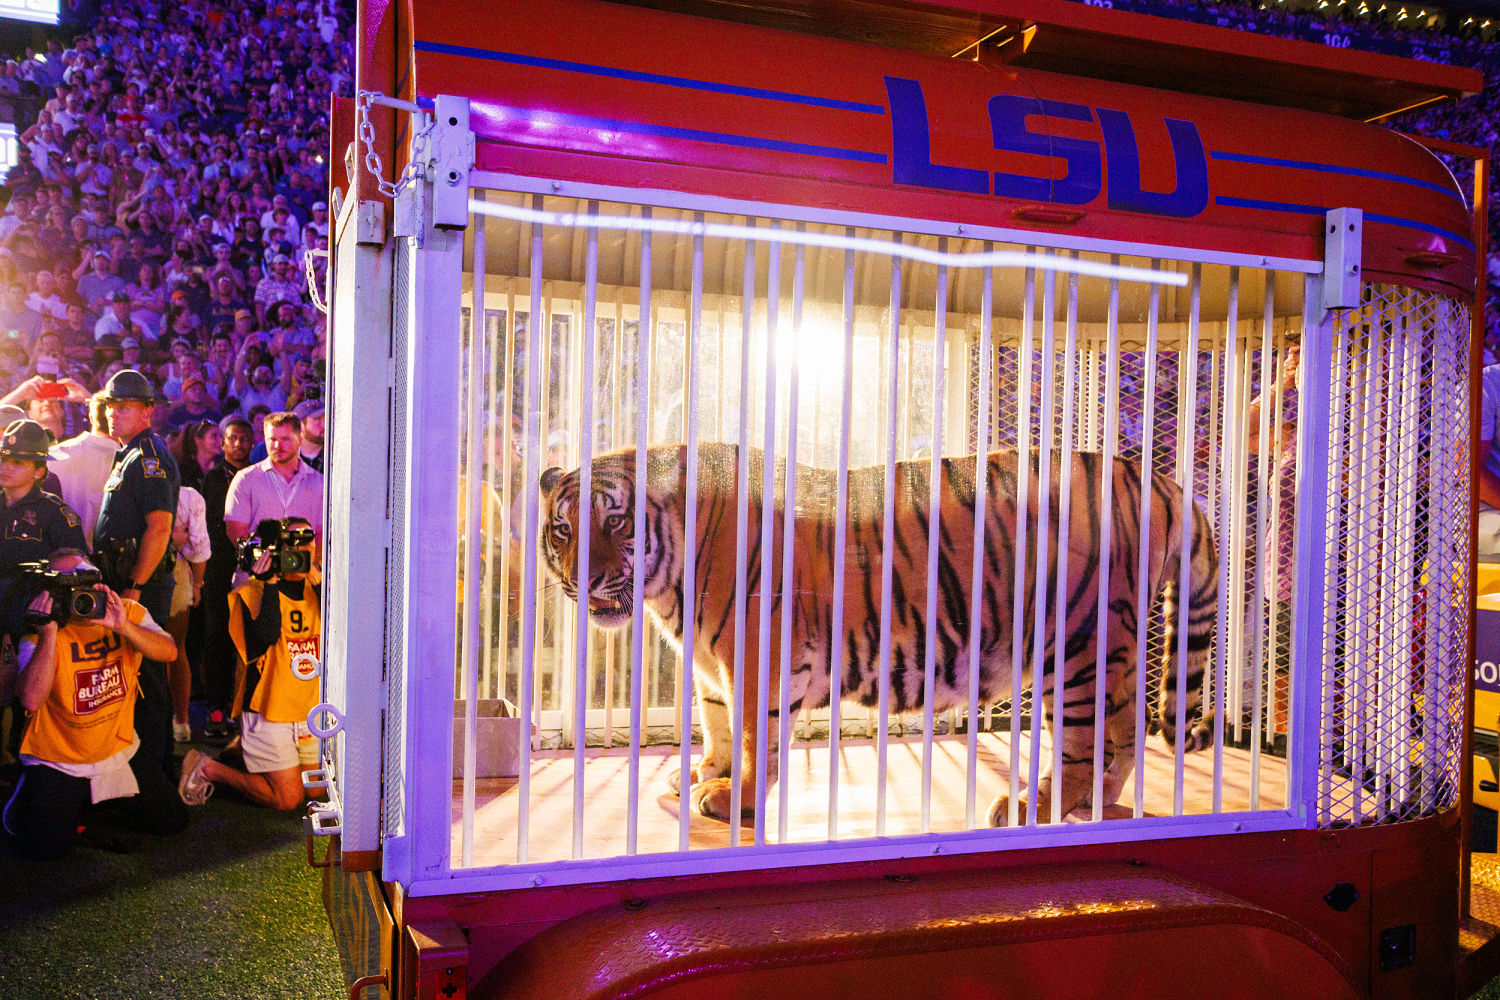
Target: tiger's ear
x=550, y=479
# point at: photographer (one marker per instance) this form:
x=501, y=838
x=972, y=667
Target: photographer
x=274, y=620
x=79, y=685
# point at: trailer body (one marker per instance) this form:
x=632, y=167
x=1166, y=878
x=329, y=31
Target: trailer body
x=1076, y=236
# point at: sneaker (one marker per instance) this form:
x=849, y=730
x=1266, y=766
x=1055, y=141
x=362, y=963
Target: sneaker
x=192, y=786
x=182, y=732
x=217, y=727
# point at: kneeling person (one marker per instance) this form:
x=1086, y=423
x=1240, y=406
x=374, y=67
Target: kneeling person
x=79, y=686
x=275, y=624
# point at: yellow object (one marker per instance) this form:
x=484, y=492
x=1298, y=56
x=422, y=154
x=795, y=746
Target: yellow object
x=288, y=687
x=89, y=715
x=1487, y=687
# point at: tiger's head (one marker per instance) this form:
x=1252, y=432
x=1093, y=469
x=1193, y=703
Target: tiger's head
x=613, y=548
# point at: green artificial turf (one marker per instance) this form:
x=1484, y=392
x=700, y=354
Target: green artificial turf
x=227, y=908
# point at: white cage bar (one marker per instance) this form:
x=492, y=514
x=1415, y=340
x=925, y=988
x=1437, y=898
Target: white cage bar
x=830, y=348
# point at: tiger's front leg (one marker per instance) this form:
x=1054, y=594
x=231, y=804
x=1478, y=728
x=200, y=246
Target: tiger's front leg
x=714, y=795
x=713, y=714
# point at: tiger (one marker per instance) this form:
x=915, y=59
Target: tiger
x=614, y=549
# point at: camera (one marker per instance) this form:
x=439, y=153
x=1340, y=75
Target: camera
x=73, y=595
x=282, y=540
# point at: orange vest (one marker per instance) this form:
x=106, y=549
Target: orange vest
x=288, y=687
x=89, y=715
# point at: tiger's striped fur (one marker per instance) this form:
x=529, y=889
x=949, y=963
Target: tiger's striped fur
x=613, y=549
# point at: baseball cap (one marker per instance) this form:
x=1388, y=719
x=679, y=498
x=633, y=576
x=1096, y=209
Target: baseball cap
x=129, y=342
x=242, y=312
x=193, y=380
x=308, y=408
x=320, y=206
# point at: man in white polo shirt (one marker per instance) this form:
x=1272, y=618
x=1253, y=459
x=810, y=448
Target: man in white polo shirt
x=280, y=486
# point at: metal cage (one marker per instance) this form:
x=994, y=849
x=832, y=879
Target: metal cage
x=1322, y=449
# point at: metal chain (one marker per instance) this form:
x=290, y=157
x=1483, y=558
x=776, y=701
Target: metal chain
x=373, y=162
x=314, y=291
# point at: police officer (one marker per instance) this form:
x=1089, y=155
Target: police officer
x=133, y=533
x=33, y=523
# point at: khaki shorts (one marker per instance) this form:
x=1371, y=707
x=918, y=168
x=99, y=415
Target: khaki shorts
x=276, y=746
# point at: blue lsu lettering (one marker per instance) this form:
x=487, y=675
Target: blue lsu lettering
x=98, y=649
x=1086, y=171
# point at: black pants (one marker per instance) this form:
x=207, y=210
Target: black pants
x=219, y=659
x=47, y=807
x=153, y=709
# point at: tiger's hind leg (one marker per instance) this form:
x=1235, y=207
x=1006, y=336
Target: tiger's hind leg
x=1119, y=722
x=1077, y=744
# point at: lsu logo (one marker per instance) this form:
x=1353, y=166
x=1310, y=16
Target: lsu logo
x=98, y=649
x=1087, y=170
x=96, y=688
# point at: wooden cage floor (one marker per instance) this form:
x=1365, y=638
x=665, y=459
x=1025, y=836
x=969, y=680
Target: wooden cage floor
x=606, y=776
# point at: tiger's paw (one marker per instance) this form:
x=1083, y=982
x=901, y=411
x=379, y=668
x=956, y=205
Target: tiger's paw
x=999, y=814
x=1200, y=737
x=712, y=798
x=699, y=772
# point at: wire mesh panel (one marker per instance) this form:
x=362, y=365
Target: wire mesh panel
x=395, y=620
x=959, y=536
x=1394, y=627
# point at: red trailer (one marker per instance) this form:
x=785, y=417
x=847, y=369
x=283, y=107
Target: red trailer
x=1198, y=722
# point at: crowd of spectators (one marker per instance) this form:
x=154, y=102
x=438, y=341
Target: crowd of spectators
x=1455, y=39
x=170, y=197
x=167, y=211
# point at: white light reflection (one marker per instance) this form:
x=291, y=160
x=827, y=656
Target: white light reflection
x=995, y=258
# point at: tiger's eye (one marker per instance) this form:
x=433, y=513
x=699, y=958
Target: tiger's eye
x=614, y=522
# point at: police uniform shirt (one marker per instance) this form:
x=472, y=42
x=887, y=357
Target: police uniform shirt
x=35, y=526
x=143, y=479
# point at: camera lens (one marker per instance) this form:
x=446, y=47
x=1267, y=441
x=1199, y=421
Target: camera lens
x=84, y=604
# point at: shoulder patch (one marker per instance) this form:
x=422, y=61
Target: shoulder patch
x=69, y=516
x=152, y=467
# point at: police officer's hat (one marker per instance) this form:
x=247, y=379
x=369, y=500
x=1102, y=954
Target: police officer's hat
x=130, y=385
x=25, y=439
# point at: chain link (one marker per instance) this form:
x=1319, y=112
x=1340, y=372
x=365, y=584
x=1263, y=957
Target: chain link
x=373, y=164
x=314, y=289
